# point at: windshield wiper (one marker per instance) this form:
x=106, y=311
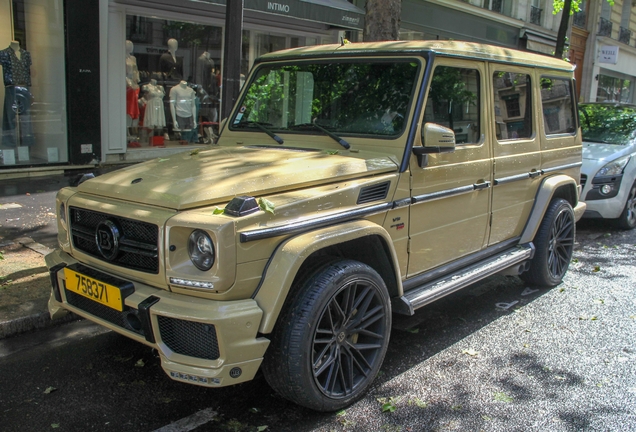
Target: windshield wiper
x=331, y=135
x=261, y=126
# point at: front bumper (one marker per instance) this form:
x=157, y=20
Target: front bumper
x=204, y=342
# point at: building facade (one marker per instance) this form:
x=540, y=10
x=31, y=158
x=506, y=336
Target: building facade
x=127, y=80
x=109, y=81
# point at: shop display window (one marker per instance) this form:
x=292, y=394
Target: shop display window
x=173, y=79
x=33, y=94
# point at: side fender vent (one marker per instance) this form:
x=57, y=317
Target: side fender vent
x=373, y=193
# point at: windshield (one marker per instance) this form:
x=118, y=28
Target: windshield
x=344, y=97
x=610, y=124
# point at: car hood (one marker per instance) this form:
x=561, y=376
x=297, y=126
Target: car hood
x=605, y=152
x=214, y=176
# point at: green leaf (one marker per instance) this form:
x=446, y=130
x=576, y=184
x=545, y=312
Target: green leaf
x=140, y=363
x=218, y=210
x=49, y=390
x=195, y=152
x=390, y=407
x=413, y=330
x=597, y=268
x=341, y=413
x=261, y=428
x=332, y=152
x=254, y=410
x=266, y=205
x=502, y=397
x=55, y=425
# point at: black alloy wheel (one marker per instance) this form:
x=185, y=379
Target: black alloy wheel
x=331, y=340
x=554, y=244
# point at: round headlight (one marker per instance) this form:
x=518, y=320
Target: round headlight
x=201, y=250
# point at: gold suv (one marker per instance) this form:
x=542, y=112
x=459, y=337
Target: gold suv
x=349, y=183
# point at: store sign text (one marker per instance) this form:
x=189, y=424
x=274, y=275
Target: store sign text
x=609, y=54
x=278, y=7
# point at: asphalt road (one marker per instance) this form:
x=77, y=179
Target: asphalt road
x=498, y=356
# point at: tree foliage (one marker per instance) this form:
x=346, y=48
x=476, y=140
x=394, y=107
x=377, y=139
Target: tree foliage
x=568, y=7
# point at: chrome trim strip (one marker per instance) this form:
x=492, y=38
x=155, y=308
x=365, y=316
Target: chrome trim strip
x=443, y=194
x=512, y=178
x=562, y=167
x=304, y=225
x=402, y=203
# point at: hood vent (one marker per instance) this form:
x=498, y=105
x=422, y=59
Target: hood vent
x=373, y=193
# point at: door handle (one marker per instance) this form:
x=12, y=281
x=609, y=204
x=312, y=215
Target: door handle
x=481, y=185
x=534, y=173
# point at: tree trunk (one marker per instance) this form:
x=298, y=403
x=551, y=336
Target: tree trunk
x=563, y=29
x=382, y=20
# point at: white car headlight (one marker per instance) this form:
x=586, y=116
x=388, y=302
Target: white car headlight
x=614, y=167
x=201, y=250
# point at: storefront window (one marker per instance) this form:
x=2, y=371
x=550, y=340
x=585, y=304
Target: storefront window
x=173, y=75
x=33, y=108
x=611, y=89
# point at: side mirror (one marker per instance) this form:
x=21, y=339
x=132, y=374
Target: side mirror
x=435, y=139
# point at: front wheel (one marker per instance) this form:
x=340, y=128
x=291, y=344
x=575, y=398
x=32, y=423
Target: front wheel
x=330, y=340
x=554, y=244
x=627, y=219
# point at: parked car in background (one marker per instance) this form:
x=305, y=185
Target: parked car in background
x=609, y=168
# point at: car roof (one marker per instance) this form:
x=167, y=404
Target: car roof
x=461, y=49
x=614, y=104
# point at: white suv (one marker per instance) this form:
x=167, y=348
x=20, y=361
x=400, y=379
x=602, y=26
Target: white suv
x=609, y=168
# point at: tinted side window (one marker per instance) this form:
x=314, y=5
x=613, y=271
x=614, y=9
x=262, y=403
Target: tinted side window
x=513, y=105
x=454, y=101
x=557, y=99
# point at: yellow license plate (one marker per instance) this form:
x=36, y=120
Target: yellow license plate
x=101, y=292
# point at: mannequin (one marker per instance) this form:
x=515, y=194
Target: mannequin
x=17, y=129
x=154, y=115
x=170, y=65
x=132, y=94
x=183, y=107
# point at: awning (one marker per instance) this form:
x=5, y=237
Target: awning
x=539, y=42
x=337, y=13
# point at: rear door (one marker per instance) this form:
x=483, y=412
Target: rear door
x=516, y=149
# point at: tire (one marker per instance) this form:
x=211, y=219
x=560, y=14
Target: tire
x=627, y=219
x=330, y=340
x=554, y=243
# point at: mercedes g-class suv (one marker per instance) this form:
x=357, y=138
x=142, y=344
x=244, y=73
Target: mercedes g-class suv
x=350, y=182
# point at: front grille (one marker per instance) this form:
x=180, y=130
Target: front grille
x=189, y=338
x=104, y=312
x=138, y=242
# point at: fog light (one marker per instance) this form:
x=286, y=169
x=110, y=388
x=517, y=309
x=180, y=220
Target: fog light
x=605, y=189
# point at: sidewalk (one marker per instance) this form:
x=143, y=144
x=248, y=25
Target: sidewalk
x=24, y=288
x=28, y=231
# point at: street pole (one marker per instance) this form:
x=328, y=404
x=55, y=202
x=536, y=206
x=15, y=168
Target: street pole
x=231, y=78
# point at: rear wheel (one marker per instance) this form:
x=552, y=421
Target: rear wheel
x=330, y=341
x=554, y=243
x=627, y=219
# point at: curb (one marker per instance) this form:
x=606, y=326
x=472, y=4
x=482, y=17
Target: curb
x=37, y=320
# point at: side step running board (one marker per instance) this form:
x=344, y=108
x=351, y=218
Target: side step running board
x=431, y=291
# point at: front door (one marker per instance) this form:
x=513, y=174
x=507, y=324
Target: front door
x=451, y=210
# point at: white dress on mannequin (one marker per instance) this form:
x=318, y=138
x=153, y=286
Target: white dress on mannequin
x=155, y=116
